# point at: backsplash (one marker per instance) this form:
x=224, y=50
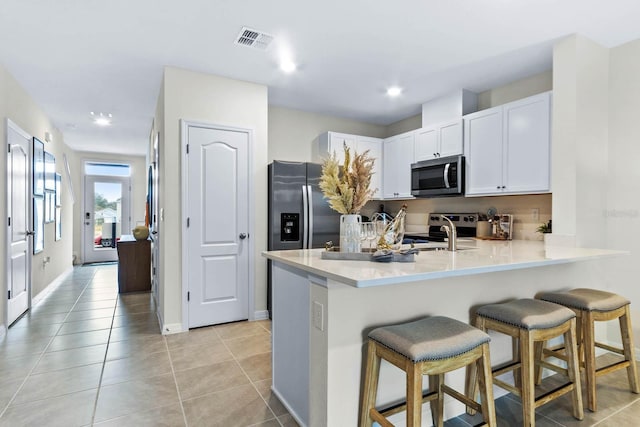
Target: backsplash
x=520, y=206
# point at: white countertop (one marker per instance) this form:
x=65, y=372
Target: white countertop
x=477, y=256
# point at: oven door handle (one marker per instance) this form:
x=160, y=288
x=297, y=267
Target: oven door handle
x=446, y=175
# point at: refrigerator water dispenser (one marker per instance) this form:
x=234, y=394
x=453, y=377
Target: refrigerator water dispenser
x=289, y=227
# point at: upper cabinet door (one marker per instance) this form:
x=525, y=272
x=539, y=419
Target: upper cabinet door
x=337, y=141
x=405, y=156
x=426, y=144
x=483, y=151
x=389, y=175
x=450, y=139
x=374, y=145
x=527, y=144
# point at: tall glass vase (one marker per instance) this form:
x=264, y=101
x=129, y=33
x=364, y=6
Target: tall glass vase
x=350, y=233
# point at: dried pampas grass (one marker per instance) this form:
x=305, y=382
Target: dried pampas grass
x=348, y=190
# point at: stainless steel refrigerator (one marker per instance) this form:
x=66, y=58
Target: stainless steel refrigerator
x=299, y=217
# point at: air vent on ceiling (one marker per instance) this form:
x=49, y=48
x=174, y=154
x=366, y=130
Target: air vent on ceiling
x=254, y=38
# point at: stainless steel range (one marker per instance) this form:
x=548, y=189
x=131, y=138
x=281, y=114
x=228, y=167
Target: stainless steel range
x=466, y=225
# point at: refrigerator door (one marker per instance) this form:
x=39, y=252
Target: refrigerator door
x=325, y=222
x=285, y=209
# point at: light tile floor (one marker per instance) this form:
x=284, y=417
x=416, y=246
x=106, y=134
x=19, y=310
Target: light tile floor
x=87, y=356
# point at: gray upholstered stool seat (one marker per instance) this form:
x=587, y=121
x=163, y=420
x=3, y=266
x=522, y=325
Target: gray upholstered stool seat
x=532, y=322
x=431, y=346
x=527, y=313
x=432, y=338
x=586, y=299
x=590, y=306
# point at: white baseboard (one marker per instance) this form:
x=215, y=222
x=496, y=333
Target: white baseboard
x=51, y=286
x=3, y=331
x=261, y=315
x=171, y=328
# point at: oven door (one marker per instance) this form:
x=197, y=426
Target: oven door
x=437, y=178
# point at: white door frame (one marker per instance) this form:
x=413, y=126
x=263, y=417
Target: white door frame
x=184, y=126
x=16, y=128
x=83, y=204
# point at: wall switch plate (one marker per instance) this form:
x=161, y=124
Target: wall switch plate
x=535, y=214
x=318, y=316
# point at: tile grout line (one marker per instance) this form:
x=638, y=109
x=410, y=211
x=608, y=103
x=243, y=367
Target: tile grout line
x=104, y=361
x=43, y=351
x=245, y=373
x=175, y=381
x=618, y=411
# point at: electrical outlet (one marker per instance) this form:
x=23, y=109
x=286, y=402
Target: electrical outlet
x=318, y=316
x=535, y=214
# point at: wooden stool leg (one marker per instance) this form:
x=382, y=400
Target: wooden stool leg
x=589, y=358
x=629, y=350
x=516, y=357
x=370, y=385
x=437, y=405
x=539, y=356
x=471, y=386
x=573, y=367
x=414, y=394
x=527, y=379
x=485, y=380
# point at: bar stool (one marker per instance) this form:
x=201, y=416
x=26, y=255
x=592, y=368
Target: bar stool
x=532, y=322
x=430, y=346
x=590, y=306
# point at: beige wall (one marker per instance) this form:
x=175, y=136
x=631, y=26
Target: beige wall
x=138, y=191
x=216, y=100
x=518, y=89
x=622, y=212
x=293, y=134
x=405, y=125
x=17, y=105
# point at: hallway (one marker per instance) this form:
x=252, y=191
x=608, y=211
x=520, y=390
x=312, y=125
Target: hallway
x=88, y=356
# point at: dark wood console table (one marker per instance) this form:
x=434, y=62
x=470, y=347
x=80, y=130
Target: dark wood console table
x=134, y=264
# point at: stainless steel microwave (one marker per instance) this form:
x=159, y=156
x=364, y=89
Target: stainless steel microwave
x=438, y=177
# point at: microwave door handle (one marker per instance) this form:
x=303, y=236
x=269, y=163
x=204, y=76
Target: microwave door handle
x=446, y=175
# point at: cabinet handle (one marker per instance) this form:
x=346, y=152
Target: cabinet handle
x=498, y=187
x=504, y=186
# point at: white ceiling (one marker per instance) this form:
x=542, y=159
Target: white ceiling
x=77, y=56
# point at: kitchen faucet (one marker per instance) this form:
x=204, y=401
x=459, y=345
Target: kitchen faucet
x=451, y=233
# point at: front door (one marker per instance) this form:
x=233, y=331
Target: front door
x=106, y=216
x=216, y=238
x=19, y=200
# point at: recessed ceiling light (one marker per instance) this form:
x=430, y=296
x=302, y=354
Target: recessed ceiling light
x=101, y=119
x=288, y=66
x=394, y=91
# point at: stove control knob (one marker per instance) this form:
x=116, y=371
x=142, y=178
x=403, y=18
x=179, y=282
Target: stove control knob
x=466, y=219
x=471, y=219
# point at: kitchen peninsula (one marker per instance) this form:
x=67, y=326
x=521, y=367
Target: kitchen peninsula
x=324, y=309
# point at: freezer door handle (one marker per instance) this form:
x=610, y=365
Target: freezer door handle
x=305, y=216
x=310, y=217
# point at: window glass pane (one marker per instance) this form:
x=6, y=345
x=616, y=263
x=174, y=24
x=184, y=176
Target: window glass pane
x=110, y=169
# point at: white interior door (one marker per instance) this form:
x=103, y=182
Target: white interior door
x=216, y=238
x=107, y=216
x=18, y=201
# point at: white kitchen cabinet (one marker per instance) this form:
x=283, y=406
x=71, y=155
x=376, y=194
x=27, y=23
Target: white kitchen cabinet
x=334, y=142
x=398, y=154
x=441, y=140
x=507, y=148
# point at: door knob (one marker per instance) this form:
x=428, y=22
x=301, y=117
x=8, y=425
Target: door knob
x=154, y=232
x=29, y=233
x=243, y=236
